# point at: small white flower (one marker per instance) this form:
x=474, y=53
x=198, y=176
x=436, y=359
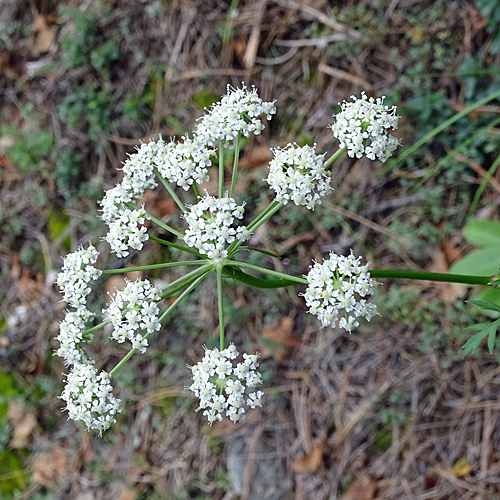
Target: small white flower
x=88, y=397
x=333, y=290
x=238, y=111
x=134, y=313
x=138, y=176
x=362, y=126
x=223, y=388
x=184, y=162
x=297, y=174
x=71, y=335
x=210, y=226
x=76, y=274
x=124, y=232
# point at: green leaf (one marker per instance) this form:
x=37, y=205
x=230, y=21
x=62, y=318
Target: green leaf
x=239, y=275
x=57, y=222
x=265, y=252
x=473, y=343
x=491, y=339
x=485, y=305
x=480, y=262
x=485, y=233
x=486, y=329
x=479, y=326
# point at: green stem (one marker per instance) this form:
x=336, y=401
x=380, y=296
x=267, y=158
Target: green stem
x=259, y=269
x=483, y=185
x=226, y=36
x=162, y=317
x=409, y=151
x=154, y=266
x=95, y=328
x=168, y=187
x=180, y=283
x=378, y=273
x=183, y=295
x=272, y=208
x=221, y=170
x=174, y=245
x=334, y=157
x=235, y=164
x=237, y=274
x=220, y=307
x=196, y=192
x=421, y=275
x=451, y=154
x=268, y=212
x=158, y=221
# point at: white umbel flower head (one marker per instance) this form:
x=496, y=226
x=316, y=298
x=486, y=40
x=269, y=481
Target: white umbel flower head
x=363, y=125
x=210, y=226
x=184, y=162
x=88, y=397
x=298, y=174
x=225, y=387
x=337, y=288
x=125, y=231
x=134, y=313
x=138, y=176
x=237, y=112
x=76, y=274
x=71, y=335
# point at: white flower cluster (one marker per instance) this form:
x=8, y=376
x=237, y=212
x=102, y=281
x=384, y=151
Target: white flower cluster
x=183, y=162
x=210, y=226
x=88, y=396
x=134, y=313
x=225, y=388
x=76, y=273
x=297, y=174
x=125, y=232
x=122, y=222
x=71, y=335
x=363, y=127
x=334, y=287
x=237, y=112
x=73, y=280
x=138, y=176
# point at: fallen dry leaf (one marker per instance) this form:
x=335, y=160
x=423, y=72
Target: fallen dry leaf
x=279, y=339
x=363, y=488
x=23, y=423
x=312, y=460
x=258, y=156
x=49, y=467
x=113, y=284
x=462, y=467
x=451, y=253
x=44, y=37
x=118, y=282
x=127, y=494
x=239, y=45
x=449, y=292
